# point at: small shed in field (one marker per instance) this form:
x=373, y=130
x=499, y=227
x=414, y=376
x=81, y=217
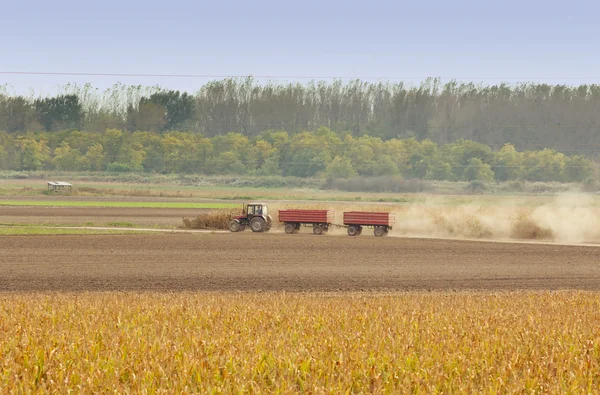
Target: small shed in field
x=58, y=186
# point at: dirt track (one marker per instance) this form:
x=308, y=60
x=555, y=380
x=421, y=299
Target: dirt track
x=302, y=262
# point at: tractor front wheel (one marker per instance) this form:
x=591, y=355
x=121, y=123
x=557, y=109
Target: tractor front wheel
x=234, y=226
x=258, y=224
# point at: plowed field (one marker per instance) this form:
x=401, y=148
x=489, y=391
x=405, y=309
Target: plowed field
x=97, y=215
x=303, y=262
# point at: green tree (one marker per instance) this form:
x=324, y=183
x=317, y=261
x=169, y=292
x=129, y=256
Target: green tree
x=15, y=114
x=477, y=170
x=385, y=166
x=579, y=169
x=147, y=117
x=270, y=167
x=307, y=162
x=4, y=165
x=340, y=167
x=113, y=144
x=545, y=165
x=507, y=164
x=33, y=154
x=222, y=163
x=66, y=158
x=438, y=170
x=177, y=109
x=60, y=112
x=94, y=157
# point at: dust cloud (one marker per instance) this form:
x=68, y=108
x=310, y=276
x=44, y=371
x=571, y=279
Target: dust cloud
x=571, y=218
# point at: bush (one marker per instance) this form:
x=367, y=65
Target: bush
x=14, y=175
x=513, y=186
x=117, y=167
x=590, y=185
x=378, y=184
x=476, y=186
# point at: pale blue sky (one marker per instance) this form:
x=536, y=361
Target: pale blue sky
x=556, y=42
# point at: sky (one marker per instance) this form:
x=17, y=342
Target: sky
x=480, y=41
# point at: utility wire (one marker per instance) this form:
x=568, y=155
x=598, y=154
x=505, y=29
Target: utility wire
x=172, y=75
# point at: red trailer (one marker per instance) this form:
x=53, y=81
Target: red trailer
x=320, y=220
x=380, y=222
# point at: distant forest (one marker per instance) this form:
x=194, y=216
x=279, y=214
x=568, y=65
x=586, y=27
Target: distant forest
x=236, y=126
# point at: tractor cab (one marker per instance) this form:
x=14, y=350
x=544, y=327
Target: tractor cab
x=253, y=209
x=255, y=215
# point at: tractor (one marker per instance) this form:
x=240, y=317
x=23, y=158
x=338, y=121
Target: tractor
x=255, y=215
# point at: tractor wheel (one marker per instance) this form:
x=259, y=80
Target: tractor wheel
x=318, y=229
x=353, y=231
x=234, y=226
x=290, y=229
x=379, y=231
x=257, y=224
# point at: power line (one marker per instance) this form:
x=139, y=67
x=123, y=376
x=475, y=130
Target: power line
x=174, y=75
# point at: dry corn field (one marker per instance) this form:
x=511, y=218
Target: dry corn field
x=520, y=342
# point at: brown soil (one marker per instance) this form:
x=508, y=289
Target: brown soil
x=303, y=262
x=10, y=211
x=98, y=215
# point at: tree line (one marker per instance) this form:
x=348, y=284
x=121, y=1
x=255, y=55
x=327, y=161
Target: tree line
x=529, y=116
x=319, y=153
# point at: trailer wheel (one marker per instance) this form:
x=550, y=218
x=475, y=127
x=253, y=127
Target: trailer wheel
x=318, y=229
x=379, y=231
x=353, y=231
x=234, y=226
x=258, y=224
x=290, y=229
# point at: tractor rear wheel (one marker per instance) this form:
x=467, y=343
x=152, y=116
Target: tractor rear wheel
x=379, y=231
x=234, y=226
x=353, y=231
x=290, y=228
x=257, y=224
x=318, y=229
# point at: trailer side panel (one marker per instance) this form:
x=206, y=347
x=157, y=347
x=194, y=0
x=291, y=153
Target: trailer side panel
x=364, y=218
x=307, y=216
